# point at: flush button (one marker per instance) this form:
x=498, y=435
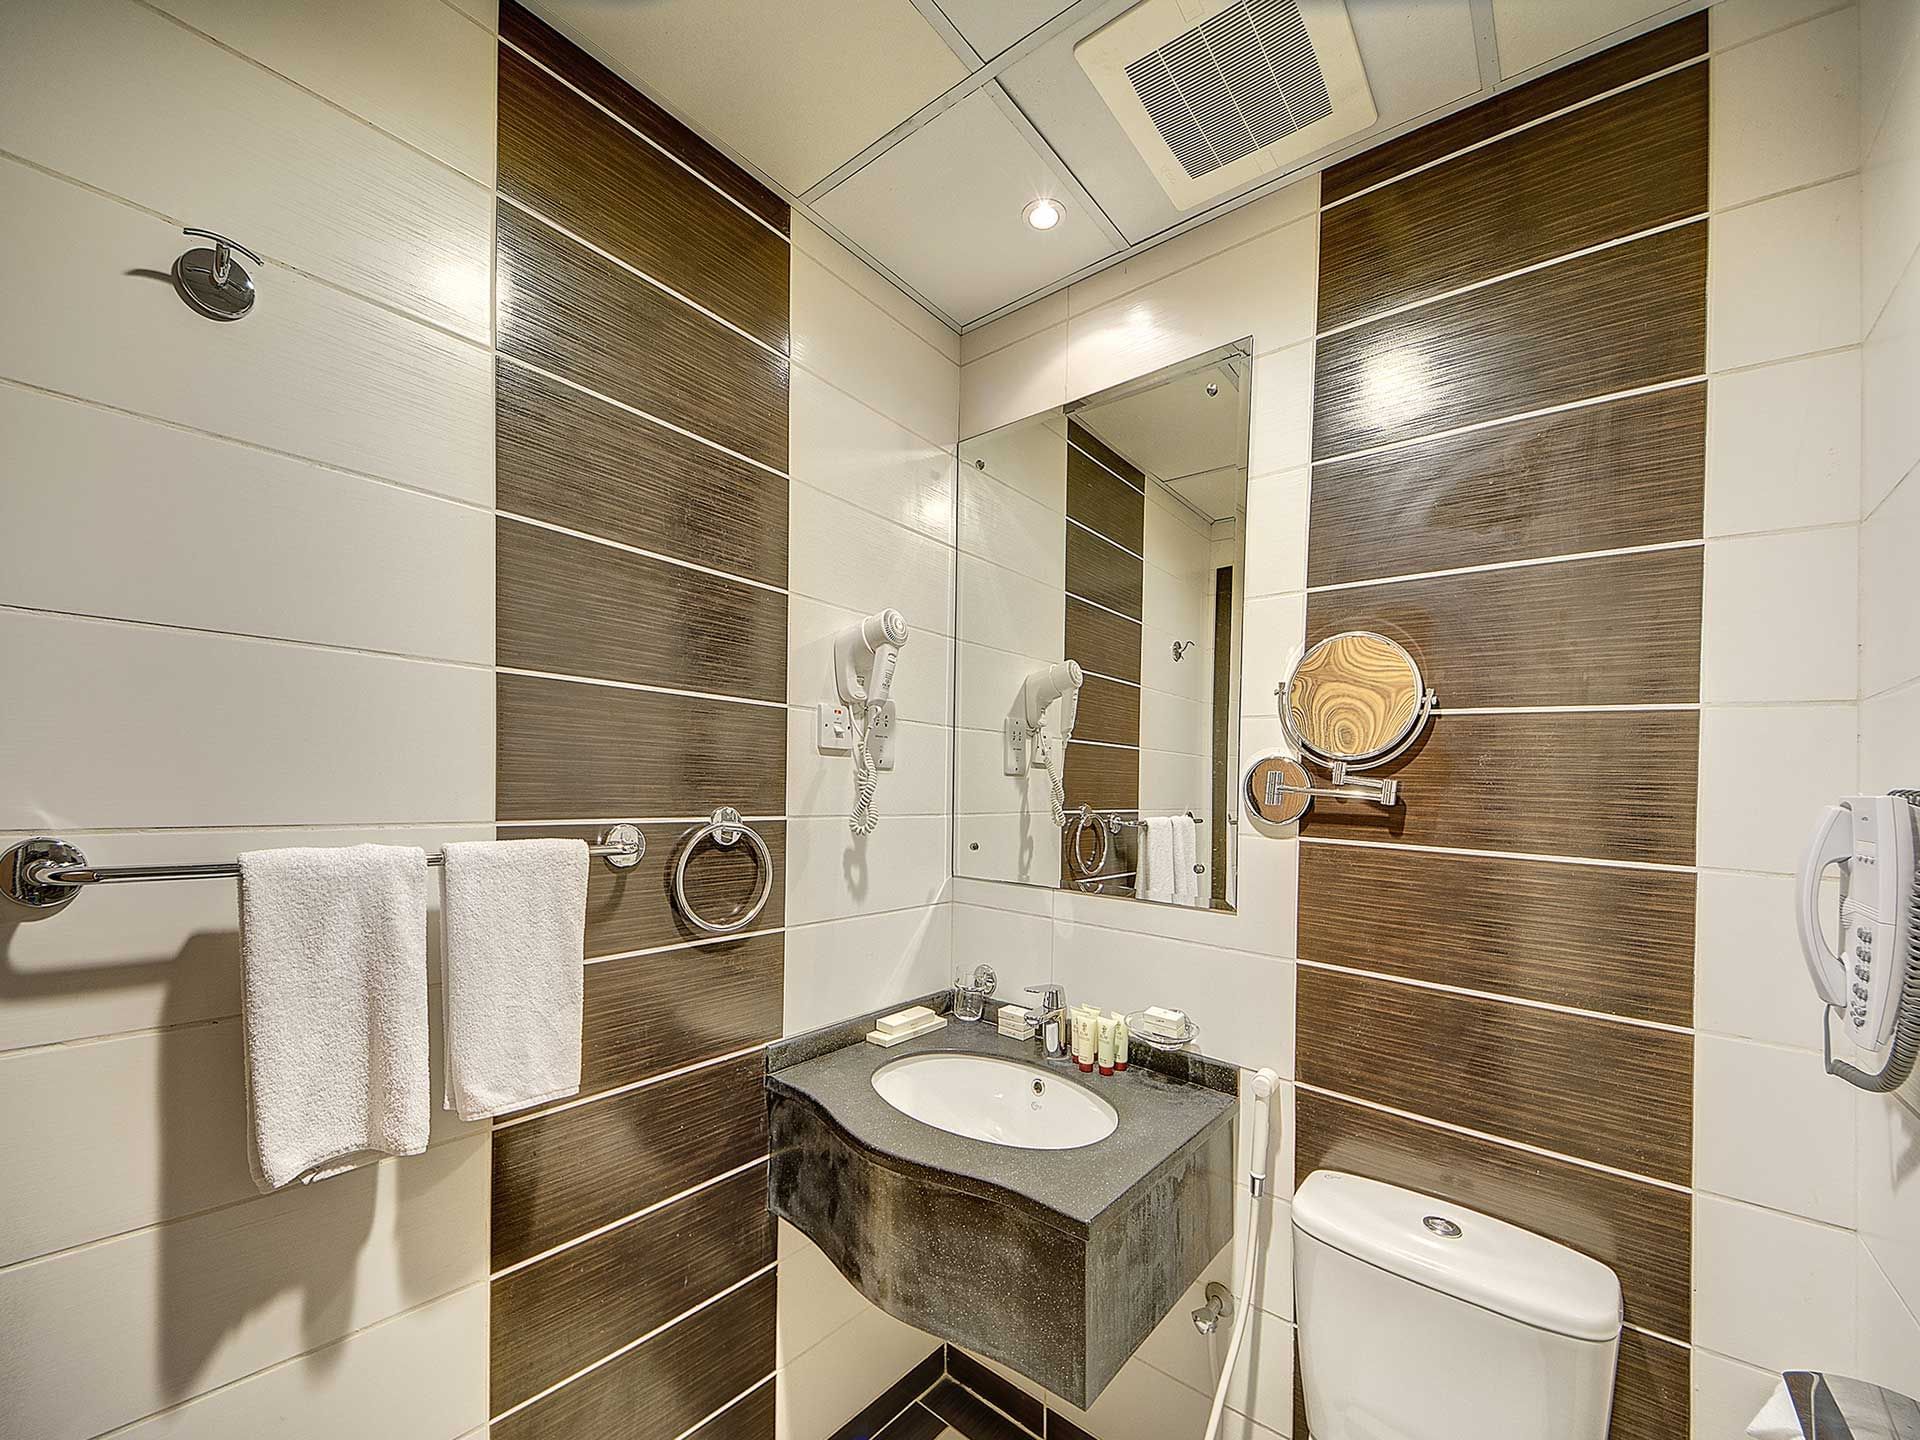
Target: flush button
x=1441, y=1226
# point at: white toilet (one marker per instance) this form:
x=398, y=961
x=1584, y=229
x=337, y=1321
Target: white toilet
x=1423, y=1321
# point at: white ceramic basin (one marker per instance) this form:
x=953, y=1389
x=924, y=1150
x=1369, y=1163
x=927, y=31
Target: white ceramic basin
x=1000, y=1101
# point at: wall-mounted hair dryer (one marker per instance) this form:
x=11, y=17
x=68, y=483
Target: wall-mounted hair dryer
x=1026, y=734
x=864, y=659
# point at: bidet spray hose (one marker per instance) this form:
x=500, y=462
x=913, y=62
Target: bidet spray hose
x=1263, y=1085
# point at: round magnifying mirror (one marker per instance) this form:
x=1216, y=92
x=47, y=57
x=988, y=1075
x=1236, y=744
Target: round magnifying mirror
x=1277, y=788
x=1356, y=699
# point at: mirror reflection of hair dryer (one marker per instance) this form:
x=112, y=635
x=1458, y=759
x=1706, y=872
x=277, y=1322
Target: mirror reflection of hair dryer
x=1060, y=681
x=864, y=659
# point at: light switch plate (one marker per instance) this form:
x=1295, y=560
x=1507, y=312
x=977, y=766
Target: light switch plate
x=836, y=729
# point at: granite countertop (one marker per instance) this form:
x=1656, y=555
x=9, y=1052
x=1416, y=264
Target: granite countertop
x=1070, y=1189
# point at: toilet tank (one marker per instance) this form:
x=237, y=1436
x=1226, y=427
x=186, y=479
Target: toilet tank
x=1420, y=1320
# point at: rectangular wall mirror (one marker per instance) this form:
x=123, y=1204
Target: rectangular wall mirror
x=1099, y=616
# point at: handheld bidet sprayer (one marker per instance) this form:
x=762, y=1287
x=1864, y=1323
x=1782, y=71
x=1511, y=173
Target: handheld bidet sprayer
x=872, y=647
x=1060, y=681
x=1260, y=1088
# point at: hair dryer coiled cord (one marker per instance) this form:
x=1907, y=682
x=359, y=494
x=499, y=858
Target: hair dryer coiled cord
x=1057, y=779
x=866, y=776
x=1906, y=1025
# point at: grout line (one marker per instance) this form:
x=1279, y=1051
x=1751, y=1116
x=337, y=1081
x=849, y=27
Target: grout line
x=1508, y=565
x=712, y=940
x=1116, y=680
x=1098, y=535
x=1111, y=745
x=1492, y=995
x=885, y=314
x=1655, y=1335
x=635, y=410
x=646, y=139
x=1139, y=490
x=631, y=1345
x=630, y=268
x=1686, y=705
x=708, y=1419
x=621, y=545
x=1595, y=861
x=1117, y=614
x=625, y=1220
x=1492, y=1139
x=635, y=686
x=618, y=1090
x=605, y=820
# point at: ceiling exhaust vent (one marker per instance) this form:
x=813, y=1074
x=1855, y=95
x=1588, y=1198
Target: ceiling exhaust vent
x=1215, y=95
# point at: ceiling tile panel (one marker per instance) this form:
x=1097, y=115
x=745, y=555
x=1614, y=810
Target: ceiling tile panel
x=991, y=26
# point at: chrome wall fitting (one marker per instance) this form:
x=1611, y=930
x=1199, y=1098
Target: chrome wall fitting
x=211, y=280
x=725, y=828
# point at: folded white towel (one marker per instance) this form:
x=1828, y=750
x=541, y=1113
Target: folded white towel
x=513, y=915
x=333, y=944
x=1155, y=880
x=1186, y=855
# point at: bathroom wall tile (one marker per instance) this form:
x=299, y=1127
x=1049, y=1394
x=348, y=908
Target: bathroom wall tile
x=920, y=781
x=1761, y=147
x=1888, y=724
x=1772, y=1128
x=1763, y=773
x=843, y=555
x=1280, y=425
x=1264, y=922
x=1889, y=32
x=1727, y=1394
x=1783, y=446
x=1738, y=22
x=242, y=1288
x=828, y=1384
x=1650, y=1387
x=1008, y=611
x=1890, y=437
x=1158, y=669
x=1262, y=1385
x=1110, y=504
x=219, y=719
x=1890, y=198
x=377, y=393
x=1100, y=571
x=1144, y=1403
x=367, y=1385
x=1176, y=603
x=113, y=94
x=1030, y=319
x=1022, y=378
x=1799, y=250
x=842, y=447
x=1792, y=1309
x=186, y=530
x=1889, y=1330
x=853, y=344
x=1889, y=648
x=1888, y=1139
x=360, y=55
x=1764, y=640
x=1174, y=540
x=1018, y=945
x=832, y=873
x=1103, y=643
x=1110, y=712
x=1751, y=981
x=1028, y=455
x=922, y=685
x=1172, y=722
x=1002, y=524
x=1105, y=777
x=1277, y=532
x=837, y=968
x=874, y=287
x=484, y=13
x=815, y=1300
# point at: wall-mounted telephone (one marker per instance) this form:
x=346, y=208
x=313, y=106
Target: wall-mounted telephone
x=1873, y=981
x=1026, y=736
x=864, y=659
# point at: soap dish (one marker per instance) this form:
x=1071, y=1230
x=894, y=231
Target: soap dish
x=1139, y=1027
x=925, y=1027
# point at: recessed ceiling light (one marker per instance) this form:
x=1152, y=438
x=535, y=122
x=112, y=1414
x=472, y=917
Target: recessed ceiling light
x=1043, y=214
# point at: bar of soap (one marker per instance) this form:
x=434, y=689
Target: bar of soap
x=903, y=1022
x=1157, y=1023
x=1013, y=1021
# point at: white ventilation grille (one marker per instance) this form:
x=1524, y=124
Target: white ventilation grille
x=1215, y=93
x=1236, y=84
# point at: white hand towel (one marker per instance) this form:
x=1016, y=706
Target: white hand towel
x=333, y=945
x=1186, y=854
x=513, y=914
x=1156, y=878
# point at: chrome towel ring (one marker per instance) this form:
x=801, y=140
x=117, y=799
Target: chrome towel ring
x=726, y=828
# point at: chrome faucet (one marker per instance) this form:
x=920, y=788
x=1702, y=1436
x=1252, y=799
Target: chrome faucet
x=1051, y=1023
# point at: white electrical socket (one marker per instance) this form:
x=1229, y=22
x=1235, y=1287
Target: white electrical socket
x=1014, y=757
x=836, y=729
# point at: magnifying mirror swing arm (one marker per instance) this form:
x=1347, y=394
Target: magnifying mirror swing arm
x=1345, y=784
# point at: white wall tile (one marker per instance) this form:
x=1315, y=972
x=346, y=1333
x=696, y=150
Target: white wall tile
x=1784, y=277
x=1889, y=38
x=368, y=1385
x=842, y=555
x=1029, y=319
x=922, y=685
x=828, y=1384
x=150, y=1319
x=1018, y=945
x=837, y=968
x=1160, y=671
x=1736, y=22
x=1890, y=196
x=840, y=446
x=1783, y=446
x=485, y=13
x=182, y=529
x=1760, y=146
x=1030, y=456
x=1265, y=922
x=1275, y=636
x=1143, y=1403
x=1889, y=644
x=1016, y=380
x=1000, y=608
x=1765, y=773
x=1889, y=1185
x=1888, y=724
x=822, y=784
x=1773, y=1128
x=812, y=1299
x=1889, y=1330
x=1003, y=524
x=1772, y=1290
x=115, y=95
x=1749, y=979
x=1262, y=1386
x=874, y=287
x=234, y=732
x=1780, y=617
x=847, y=340
x=1277, y=532
x=364, y=56
x=1280, y=428
x=833, y=873
x=310, y=372
x=1727, y=1394
x=1889, y=359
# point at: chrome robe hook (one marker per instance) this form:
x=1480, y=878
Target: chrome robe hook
x=211, y=280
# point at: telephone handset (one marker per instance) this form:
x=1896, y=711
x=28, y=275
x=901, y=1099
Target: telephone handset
x=864, y=659
x=1060, y=681
x=1873, y=981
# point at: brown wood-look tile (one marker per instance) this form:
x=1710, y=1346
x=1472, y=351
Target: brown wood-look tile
x=524, y=31
x=1616, y=630
x=569, y=459
x=568, y=749
x=583, y=170
x=1646, y=55
x=1603, y=477
x=1592, y=937
x=1608, y=786
x=1109, y=711
x=1652, y=1390
x=1085, y=440
x=1102, y=501
x=634, y=909
x=571, y=1309
x=1642, y=1231
x=1599, y=1090
x=969, y=1414
x=1105, y=777
x=990, y=1385
x=1103, y=642
x=1625, y=164
x=916, y=1422
x=1102, y=572
x=560, y=1175
x=573, y=607
x=578, y=315
x=658, y=1390
x=1613, y=320
x=748, y=1419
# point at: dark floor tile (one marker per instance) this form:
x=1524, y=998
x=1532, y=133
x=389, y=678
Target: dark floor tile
x=995, y=1388
x=916, y=1422
x=895, y=1398
x=1061, y=1428
x=969, y=1414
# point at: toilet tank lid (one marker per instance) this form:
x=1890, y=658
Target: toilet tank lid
x=1492, y=1264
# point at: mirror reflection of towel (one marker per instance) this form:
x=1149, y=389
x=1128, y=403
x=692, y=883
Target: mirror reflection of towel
x=1186, y=858
x=1156, y=878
